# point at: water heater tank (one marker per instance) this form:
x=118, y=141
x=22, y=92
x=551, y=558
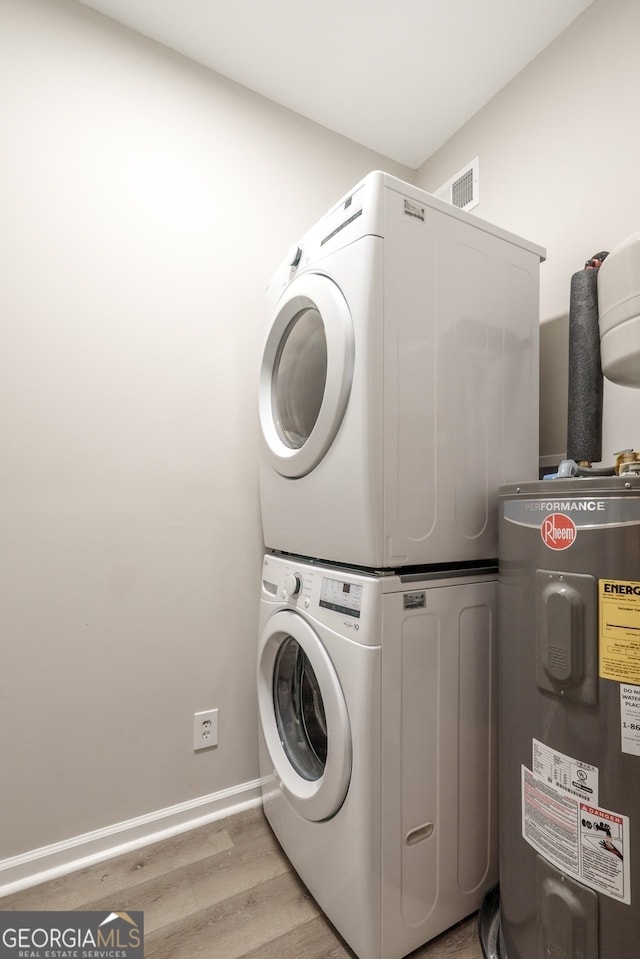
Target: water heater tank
x=569, y=719
x=619, y=306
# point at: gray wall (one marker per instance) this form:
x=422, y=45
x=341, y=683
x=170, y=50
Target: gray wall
x=145, y=202
x=559, y=152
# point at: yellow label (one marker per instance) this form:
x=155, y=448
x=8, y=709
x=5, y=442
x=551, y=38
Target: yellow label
x=620, y=630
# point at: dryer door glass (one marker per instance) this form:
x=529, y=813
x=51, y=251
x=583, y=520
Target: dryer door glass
x=299, y=710
x=299, y=378
x=306, y=374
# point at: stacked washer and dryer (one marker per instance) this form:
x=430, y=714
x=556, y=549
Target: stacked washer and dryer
x=398, y=389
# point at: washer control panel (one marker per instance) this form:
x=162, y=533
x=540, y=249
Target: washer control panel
x=346, y=601
x=341, y=596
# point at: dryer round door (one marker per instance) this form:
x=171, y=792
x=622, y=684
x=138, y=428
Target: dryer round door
x=304, y=717
x=306, y=374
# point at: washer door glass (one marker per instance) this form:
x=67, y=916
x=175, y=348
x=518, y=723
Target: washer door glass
x=299, y=710
x=306, y=374
x=304, y=718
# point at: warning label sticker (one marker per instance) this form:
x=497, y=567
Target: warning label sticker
x=550, y=822
x=604, y=839
x=570, y=775
x=630, y=719
x=620, y=630
x=582, y=840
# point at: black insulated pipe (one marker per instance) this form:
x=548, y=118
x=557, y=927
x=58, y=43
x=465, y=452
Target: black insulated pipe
x=584, y=425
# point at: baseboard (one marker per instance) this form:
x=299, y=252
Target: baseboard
x=50, y=862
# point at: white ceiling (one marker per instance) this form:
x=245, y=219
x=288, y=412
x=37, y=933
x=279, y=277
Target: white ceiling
x=398, y=76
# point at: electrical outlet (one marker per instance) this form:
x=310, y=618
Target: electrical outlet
x=205, y=729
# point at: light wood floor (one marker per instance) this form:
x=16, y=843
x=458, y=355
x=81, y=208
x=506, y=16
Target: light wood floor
x=224, y=891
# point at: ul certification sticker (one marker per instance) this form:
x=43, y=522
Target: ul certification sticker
x=570, y=775
x=558, y=531
x=620, y=631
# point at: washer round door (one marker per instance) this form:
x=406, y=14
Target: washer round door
x=304, y=717
x=306, y=374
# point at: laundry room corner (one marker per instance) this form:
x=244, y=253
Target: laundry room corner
x=319, y=479
x=145, y=201
x=558, y=149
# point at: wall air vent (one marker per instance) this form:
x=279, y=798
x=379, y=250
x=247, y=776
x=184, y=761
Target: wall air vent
x=463, y=189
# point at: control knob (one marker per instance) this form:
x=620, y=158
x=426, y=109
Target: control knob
x=293, y=584
x=295, y=255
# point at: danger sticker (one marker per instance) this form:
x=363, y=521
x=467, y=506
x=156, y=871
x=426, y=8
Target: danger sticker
x=604, y=844
x=558, y=531
x=620, y=630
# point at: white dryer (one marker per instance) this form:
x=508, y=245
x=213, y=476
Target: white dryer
x=377, y=745
x=399, y=381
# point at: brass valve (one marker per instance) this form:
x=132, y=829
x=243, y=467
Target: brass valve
x=627, y=461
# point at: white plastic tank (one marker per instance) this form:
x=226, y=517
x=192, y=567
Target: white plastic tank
x=619, y=306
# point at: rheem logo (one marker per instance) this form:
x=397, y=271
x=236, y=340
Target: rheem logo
x=558, y=531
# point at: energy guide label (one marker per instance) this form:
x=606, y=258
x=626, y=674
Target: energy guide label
x=581, y=839
x=620, y=630
x=565, y=773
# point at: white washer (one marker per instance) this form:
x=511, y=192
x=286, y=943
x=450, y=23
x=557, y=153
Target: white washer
x=399, y=381
x=377, y=745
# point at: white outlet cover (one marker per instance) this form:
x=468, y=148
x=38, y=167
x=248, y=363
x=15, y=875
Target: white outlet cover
x=205, y=729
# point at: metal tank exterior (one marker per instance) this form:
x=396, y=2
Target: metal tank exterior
x=569, y=719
